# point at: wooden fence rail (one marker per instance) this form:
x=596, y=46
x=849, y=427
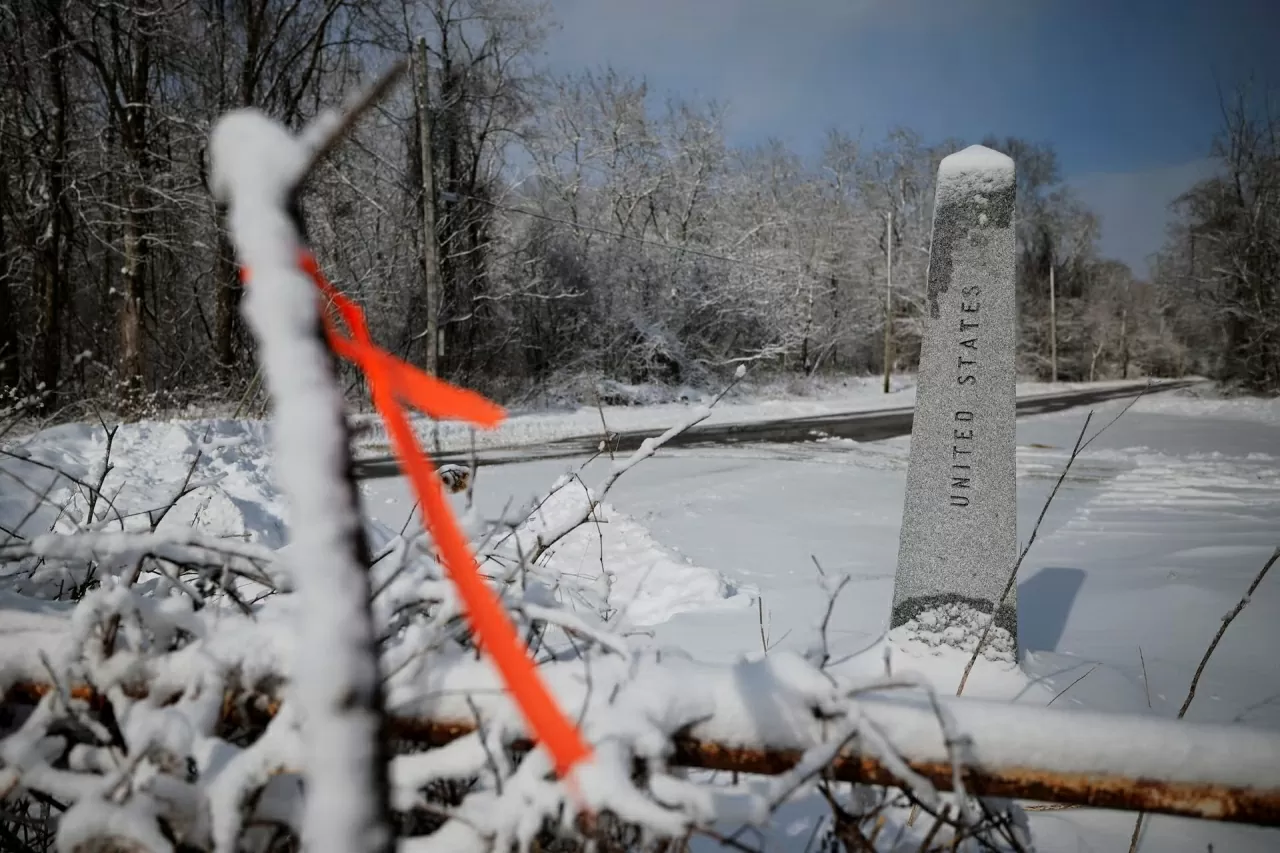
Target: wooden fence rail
x=1109, y=761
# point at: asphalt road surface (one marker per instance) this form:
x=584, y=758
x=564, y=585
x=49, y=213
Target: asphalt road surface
x=860, y=426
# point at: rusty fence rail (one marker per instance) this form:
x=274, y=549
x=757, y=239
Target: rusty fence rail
x=1108, y=761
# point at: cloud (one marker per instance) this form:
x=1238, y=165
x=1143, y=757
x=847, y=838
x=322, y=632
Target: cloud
x=753, y=31
x=1134, y=207
x=784, y=67
x=636, y=29
x=1039, y=69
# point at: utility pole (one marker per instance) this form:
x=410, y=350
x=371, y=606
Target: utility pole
x=835, y=317
x=1053, y=327
x=888, y=299
x=1124, y=328
x=430, y=248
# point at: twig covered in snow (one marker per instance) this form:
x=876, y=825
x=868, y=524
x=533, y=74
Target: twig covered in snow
x=1080, y=446
x=103, y=471
x=1146, y=690
x=181, y=547
x=1013, y=573
x=331, y=126
x=88, y=488
x=257, y=168
x=712, y=715
x=545, y=540
x=1222, y=629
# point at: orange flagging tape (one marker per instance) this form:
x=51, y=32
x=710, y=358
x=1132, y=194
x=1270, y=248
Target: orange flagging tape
x=392, y=382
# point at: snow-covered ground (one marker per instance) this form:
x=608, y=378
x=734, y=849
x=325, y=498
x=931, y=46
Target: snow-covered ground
x=716, y=552
x=1155, y=535
x=1202, y=402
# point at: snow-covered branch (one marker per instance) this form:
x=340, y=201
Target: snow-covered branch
x=780, y=715
x=257, y=169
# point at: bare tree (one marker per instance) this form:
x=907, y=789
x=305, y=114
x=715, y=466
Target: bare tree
x=586, y=227
x=1224, y=255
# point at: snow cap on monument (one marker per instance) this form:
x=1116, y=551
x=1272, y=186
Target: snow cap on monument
x=975, y=159
x=958, y=542
x=972, y=174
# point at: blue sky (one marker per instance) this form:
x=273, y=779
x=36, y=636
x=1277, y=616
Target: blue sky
x=1126, y=90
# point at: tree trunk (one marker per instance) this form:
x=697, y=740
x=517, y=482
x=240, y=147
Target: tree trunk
x=10, y=350
x=10, y=361
x=48, y=272
x=808, y=327
x=132, y=314
x=888, y=300
x=1053, y=328
x=430, y=244
x=835, y=323
x=131, y=308
x=49, y=315
x=1093, y=362
x=134, y=136
x=452, y=260
x=1124, y=344
x=226, y=307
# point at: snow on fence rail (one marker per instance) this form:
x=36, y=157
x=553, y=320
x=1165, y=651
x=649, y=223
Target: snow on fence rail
x=1102, y=760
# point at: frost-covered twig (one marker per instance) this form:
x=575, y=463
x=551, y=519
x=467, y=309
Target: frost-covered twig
x=1222, y=629
x=1064, y=690
x=574, y=624
x=1094, y=758
x=331, y=126
x=833, y=592
x=88, y=488
x=103, y=471
x=1146, y=689
x=1013, y=573
x=1080, y=446
x=1133, y=401
x=187, y=547
x=257, y=169
x=14, y=534
x=647, y=449
x=606, y=437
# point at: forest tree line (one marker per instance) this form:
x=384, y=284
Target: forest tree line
x=539, y=229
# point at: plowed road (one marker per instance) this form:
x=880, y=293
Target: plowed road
x=860, y=426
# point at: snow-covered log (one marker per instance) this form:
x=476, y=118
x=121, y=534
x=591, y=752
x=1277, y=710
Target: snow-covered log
x=760, y=718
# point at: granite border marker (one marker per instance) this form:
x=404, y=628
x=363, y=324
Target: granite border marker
x=959, y=528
